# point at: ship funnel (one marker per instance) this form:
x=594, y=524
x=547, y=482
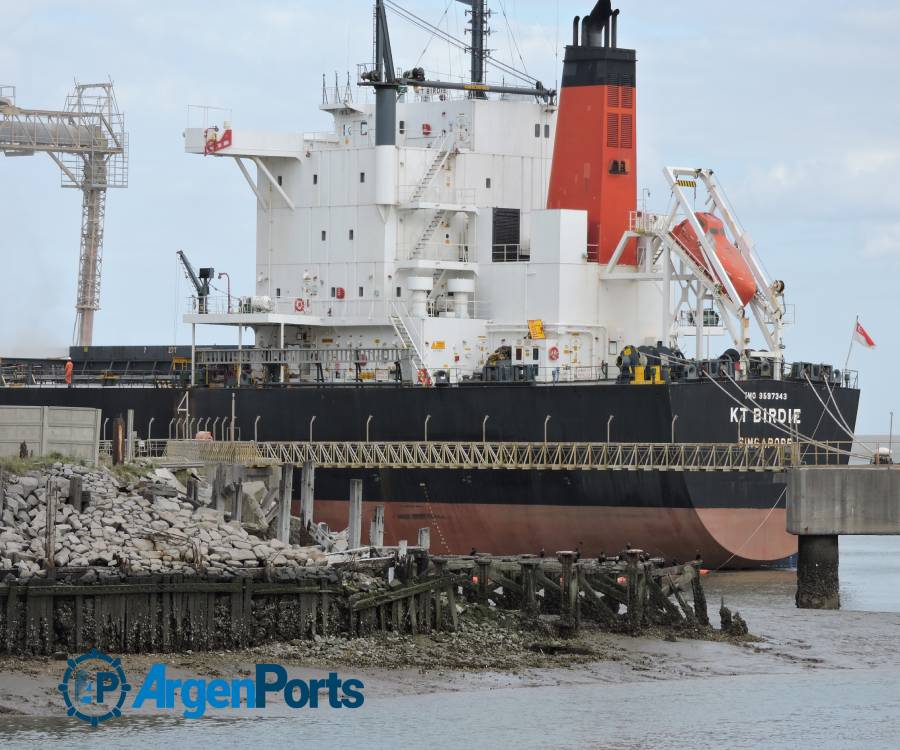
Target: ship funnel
x=599, y=24
x=595, y=152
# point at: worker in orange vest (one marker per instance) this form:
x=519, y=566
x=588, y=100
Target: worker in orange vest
x=69, y=368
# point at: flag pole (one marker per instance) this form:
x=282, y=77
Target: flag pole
x=850, y=349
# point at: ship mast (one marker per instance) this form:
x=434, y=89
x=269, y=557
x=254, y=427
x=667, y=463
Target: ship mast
x=479, y=31
x=384, y=79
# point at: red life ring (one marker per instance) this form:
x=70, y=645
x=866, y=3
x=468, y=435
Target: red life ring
x=299, y=305
x=423, y=377
x=554, y=353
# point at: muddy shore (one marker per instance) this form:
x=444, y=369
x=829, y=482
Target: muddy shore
x=495, y=652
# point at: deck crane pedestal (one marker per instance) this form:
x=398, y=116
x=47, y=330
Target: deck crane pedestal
x=200, y=279
x=88, y=142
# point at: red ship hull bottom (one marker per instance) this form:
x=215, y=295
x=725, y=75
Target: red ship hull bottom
x=734, y=538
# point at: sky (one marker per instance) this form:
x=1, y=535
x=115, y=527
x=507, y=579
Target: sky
x=793, y=105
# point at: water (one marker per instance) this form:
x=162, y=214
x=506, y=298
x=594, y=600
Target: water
x=828, y=680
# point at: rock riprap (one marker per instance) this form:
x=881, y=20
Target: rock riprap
x=141, y=526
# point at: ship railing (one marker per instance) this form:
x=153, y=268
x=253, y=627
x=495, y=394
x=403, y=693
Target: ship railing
x=297, y=356
x=143, y=448
x=213, y=304
x=331, y=307
x=437, y=194
x=444, y=307
x=649, y=223
x=446, y=251
x=493, y=455
x=510, y=253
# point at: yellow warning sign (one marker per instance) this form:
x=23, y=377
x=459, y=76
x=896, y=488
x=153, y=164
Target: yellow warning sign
x=438, y=345
x=536, y=329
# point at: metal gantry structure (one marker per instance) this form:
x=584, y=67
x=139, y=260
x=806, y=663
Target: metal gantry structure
x=435, y=455
x=88, y=142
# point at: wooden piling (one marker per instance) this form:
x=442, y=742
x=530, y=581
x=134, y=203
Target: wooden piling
x=52, y=495
x=569, y=611
x=636, y=589
x=700, y=608
x=529, y=599
x=483, y=566
x=76, y=497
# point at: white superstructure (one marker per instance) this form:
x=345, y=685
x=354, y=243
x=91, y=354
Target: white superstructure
x=437, y=249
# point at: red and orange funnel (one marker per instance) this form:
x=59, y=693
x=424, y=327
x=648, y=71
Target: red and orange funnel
x=594, y=156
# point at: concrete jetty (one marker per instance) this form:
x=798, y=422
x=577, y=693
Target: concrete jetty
x=824, y=502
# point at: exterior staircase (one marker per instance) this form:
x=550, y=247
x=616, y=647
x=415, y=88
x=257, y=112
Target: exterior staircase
x=403, y=327
x=444, y=150
x=428, y=233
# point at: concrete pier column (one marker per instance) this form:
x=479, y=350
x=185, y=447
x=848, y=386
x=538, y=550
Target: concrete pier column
x=817, y=572
x=355, y=523
x=238, y=505
x=307, y=490
x=285, y=491
x=376, y=528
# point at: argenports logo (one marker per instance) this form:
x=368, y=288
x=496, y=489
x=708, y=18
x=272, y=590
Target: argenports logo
x=95, y=689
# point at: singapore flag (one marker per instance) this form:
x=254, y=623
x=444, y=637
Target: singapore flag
x=861, y=336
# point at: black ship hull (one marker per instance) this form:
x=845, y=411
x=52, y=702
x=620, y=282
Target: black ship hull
x=730, y=518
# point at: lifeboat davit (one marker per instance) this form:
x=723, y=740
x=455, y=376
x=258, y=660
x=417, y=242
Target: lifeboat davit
x=729, y=256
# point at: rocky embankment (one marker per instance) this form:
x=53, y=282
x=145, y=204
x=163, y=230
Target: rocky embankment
x=141, y=525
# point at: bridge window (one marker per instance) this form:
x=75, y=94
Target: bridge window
x=351, y=234
x=546, y=131
x=362, y=176
x=487, y=183
x=361, y=292
x=315, y=179
x=537, y=130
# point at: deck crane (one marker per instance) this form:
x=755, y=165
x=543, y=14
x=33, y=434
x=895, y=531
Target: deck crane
x=200, y=279
x=88, y=142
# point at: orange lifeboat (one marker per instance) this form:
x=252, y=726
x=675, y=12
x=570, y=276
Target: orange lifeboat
x=729, y=256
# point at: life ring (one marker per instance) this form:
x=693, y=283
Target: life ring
x=553, y=353
x=299, y=305
x=423, y=377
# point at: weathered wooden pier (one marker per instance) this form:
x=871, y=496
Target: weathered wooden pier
x=72, y=611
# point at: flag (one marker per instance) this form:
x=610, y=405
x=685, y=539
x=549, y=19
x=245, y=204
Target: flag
x=861, y=336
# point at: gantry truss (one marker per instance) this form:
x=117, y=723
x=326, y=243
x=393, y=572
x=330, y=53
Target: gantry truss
x=88, y=142
x=473, y=455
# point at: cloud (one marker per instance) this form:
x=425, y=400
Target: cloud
x=882, y=242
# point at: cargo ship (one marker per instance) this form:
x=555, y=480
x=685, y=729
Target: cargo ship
x=467, y=260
